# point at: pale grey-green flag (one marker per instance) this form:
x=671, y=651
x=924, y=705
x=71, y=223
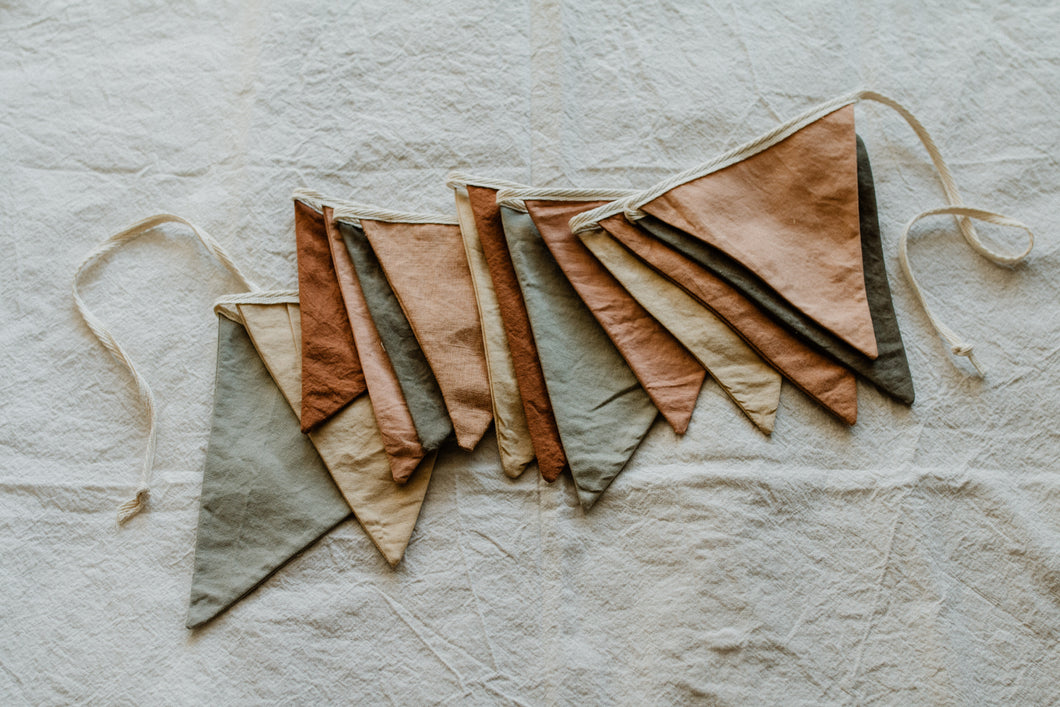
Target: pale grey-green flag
x=601, y=410
x=266, y=494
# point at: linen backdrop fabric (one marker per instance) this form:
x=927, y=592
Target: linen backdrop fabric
x=913, y=558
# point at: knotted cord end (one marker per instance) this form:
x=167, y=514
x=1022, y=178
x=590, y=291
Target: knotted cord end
x=966, y=351
x=133, y=506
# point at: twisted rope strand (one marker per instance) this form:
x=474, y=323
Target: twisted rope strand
x=136, y=504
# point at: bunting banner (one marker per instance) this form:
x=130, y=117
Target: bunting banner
x=568, y=318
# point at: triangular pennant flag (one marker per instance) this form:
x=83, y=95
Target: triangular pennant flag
x=671, y=376
x=349, y=442
x=789, y=213
x=890, y=371
x=332, y=375
x=891, y=365
x=513, y=435
x=396, y=425
x=266, y=494
x=742, y=374
x=427, y=269
x=602, y=411
x=815, y=374
x=540, y=417
x=418, y=384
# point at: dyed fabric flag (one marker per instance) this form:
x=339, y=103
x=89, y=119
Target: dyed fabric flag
x=513, y=433
x=890, y=370
x=396, y=425
x=751, y=383
x=331, y=374
x=827, y=382
x=418, y=384
x=789, y=214
x=891, y=365
x=349, y=443
x=540, y=417
x=601, y=410
x=670, y=375
x=266, y=494
x=428, y=271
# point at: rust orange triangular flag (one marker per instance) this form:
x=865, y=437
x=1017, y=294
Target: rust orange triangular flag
x=671, y=376
x=331, y=369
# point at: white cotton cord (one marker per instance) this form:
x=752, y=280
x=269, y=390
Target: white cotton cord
x=964, y=216
x=352, y=212
x=589, y=220
x=136, y=504
x=462, y=179
x=516, y=197
x=958, y=346
x=228, y=305
x=313, y=199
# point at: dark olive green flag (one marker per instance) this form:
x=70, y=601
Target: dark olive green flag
x=266, y=494
x=601, y=410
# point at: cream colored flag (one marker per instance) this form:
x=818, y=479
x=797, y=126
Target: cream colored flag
x=513, y=435
x=752, y=384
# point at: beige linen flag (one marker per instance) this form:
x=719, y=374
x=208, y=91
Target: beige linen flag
x=752, y=384
x=349, y=443
x=513, y=434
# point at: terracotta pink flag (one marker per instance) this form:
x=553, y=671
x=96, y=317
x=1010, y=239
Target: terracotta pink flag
x=789, y=213
x=400, y=440
x=671, y=376
x=331, y=368
x=428, y=271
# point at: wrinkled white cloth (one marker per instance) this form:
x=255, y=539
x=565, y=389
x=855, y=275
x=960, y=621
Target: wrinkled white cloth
x=912, y=559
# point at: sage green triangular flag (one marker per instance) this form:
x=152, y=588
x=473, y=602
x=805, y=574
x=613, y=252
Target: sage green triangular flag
x=266, y=494
x=601, y=410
